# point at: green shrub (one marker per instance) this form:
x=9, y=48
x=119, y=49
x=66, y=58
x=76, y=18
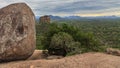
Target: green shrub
x=63, y=44
x=60, y=44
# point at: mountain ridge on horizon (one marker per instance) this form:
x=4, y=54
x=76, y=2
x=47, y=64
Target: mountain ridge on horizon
x=78, y=17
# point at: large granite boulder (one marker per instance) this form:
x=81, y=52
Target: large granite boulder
x=17, y=32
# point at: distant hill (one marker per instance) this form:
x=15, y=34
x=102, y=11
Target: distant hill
x=104, y=17
x=58, y=18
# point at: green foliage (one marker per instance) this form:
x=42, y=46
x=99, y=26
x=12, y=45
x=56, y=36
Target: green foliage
x=42, y=28
x=38, y=42
x=105, y=30
x=60, y=42
x=88, y=35
x=53, y=29
x=88, y=41
x=75, y=48
x=55, y=35
x=64, y=42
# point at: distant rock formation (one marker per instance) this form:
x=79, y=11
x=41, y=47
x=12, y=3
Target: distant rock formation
x=45, y=19
x=17, y=32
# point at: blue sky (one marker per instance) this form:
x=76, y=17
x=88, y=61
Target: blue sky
x=71, y=7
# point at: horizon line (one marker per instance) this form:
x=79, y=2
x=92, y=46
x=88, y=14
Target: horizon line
x=81, y=15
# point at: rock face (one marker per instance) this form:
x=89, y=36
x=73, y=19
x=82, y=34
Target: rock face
x=45, y=19
x=17, y=32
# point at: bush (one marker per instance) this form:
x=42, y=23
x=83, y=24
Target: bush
x=60, y=44
x=63, y=44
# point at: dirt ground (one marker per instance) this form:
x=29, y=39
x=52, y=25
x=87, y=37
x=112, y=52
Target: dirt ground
x=87, y=60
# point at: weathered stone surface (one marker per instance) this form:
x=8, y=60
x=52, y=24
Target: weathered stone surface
x=113, y=51
x=45, y=19
x=17, y=32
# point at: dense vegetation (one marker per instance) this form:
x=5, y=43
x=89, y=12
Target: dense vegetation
x=107, y=31
x=62, y=38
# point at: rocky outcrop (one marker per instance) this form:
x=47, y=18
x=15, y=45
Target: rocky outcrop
x=113, y=51
x=45, y=19
x=17, y=32
x=86, y=60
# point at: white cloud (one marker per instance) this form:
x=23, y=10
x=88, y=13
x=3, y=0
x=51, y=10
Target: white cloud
x=70, y=7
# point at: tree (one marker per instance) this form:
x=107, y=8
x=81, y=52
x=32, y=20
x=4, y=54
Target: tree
x=60, y=44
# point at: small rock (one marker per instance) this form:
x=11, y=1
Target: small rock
x=54, y=57
x=113, y=51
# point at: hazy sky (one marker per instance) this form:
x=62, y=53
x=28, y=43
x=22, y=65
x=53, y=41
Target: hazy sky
x=71, y=7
